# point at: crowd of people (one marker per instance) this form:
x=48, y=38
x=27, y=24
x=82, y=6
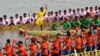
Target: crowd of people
x=52, y=16
x=82, y=18
x=60, y=45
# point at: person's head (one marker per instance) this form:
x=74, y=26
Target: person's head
x=57, y=36
x=68, y=34
x=20, y=18
x=81, y=17
x=96, y=7
x=65, y=11
x=59, y=12
x=1, y=19
x=20, y=43
x=44, y=39
x=56, y=13
x=4, y=16
x=70, y=10
x=16, y=15
x=8, y=41
x=74, y=11
x=32, y=40
x=34, y=14
x=78, y=9
x=70, y=17
x=51, y=12
x=41, y=9
x=25, y=14
x=87, y=15
x=99, y=8
x=96, y=17
x=91, y=8
x=82, y=10
x=86, y=8
x=65, y=19
x=11, y=17
x=76, y=17
x=89, y=33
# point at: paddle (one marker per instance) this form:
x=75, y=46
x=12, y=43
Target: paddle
x=95, y=40
x=84, y=41
x=73, y=45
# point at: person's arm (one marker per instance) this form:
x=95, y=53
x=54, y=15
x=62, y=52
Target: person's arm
x=45, y=10
x=8, y=22
x=90, y=22
x=79, y=23
x=65, y=45
x=69, y=25
x=75, y=23
x=46, y=6
x=38, y=42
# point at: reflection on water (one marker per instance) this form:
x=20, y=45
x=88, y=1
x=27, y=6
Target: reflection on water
x=8, y=35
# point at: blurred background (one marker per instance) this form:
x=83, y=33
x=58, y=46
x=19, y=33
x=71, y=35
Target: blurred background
x=11, y=7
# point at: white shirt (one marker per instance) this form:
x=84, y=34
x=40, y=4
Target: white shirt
x=57, y=17
x=73, y=15
x=6, y=21
x=65, y=16
x=25, y=19
x=60, y=15
x=32, y=20
x=1, y=24
x=21, y=22
x=70, y=14
x=87, y=11
x=78, y=13
x=16, y=20
x=82, y=13
x=47, y=18
x=52, y=18
x=97, y=12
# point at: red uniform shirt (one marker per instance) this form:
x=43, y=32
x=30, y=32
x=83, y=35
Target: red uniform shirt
x=56, y=46
x=98, y=35
x=22, y=51
x=9, y=50
x=90, y=41
x=78, y=43
x=68, y=43
x=98, y=39
x=45, y=47
x=33, y=49
x=0, y=53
